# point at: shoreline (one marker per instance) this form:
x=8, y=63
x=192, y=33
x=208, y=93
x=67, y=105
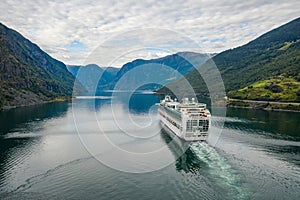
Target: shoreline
x=233, y=103
x=264, y=105
x=254, y=104
x=58, y=99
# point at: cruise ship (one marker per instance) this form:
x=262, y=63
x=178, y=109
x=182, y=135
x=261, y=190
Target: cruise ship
x=188, y=120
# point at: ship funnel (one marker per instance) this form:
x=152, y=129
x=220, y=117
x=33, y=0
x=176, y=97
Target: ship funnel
x=167, y=98
x=185, y=100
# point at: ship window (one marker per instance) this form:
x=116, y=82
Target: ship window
x=189, y=125
x=194, y=122
x=203, y=125
x=200, y=122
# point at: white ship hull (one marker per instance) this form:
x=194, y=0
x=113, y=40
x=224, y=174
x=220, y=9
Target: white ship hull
x=182, y=144
x=170, y=126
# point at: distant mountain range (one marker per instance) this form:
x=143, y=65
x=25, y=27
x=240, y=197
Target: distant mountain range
x=274, y=54
x=92, y=76
x=153, y=74
x=28, y=75
x=139, y=74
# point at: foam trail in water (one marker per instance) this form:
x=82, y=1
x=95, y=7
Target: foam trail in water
x=219, y=169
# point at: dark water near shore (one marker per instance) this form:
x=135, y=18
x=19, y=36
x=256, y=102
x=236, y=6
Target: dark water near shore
x=60, y=151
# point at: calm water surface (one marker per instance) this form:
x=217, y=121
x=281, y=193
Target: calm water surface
x=56, y=151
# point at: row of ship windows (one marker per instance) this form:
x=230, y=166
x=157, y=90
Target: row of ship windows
x=173, y=114
x=193, y=129
x=196, y=122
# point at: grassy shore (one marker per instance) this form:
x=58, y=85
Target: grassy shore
x=265, y=105
x=283, y=89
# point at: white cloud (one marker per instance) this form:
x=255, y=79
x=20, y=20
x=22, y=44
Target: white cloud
x=214, y=24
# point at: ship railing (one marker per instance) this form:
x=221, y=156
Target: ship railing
x=197, y=115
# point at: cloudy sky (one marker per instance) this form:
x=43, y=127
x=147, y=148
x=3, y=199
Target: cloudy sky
x=76, y=29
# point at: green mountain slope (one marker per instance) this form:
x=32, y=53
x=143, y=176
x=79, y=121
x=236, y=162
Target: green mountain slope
x=28, y=75
x=274, y=53
x=277, y=88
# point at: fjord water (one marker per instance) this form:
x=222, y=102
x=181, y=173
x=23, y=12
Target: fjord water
x=44, y=154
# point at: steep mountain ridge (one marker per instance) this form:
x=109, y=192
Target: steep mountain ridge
x=28, y=75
